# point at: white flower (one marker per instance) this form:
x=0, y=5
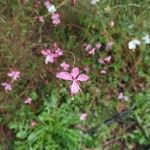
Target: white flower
x=146, y=39
x=93, y=2
x=50, y=7
x=133, y=44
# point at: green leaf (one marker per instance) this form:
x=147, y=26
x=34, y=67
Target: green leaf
x=21, y=134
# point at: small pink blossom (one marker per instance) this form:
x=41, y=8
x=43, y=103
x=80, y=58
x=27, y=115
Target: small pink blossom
x=103, y=71
x=58, y=52
x=98, y=46
x=7, y=86
x=49, y=56
x=101, y=61
x=83, y=116
x=86, y=68
x=88, y=47
x=41, y=19
x=121, y=96
x=75, y=77
x=55, y=18
x=106, y=60
x=14, y=74
x=33, y=123
x=92, y=51
x=109, y=45
x=28, y=100
x=65, y=66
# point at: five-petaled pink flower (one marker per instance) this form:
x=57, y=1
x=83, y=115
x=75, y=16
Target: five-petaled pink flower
x=64, y=65
x=14, y=74
x=28, y=100
x=7, y=86
x=75, y=77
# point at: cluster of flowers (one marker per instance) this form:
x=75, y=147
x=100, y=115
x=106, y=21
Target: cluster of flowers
x=134, y=43
x=55, y=16
x=14, y=75
x=91, y=50
x=51, y=56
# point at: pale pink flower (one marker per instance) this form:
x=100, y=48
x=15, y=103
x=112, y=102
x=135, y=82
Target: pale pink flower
x=49, y=56
x=83, y=116
x=28, y=100
x=14, y=74
x=55, y=18
x=86, y=68
x=98, y=46
x=112, y=23
x=41, y=19
x=92, y=51
x=75, y=77
x=64, y=65
x=101, y=61
x=58, y=52
x=108, y=59
x=7, y=86
x=121, y=96
x=88, y=47
x=103, y=71
x=109, y=45
x=33, y=123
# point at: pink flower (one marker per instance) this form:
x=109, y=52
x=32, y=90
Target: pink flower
x=58, y=52
x=7, y=86
x=64, y=65
x=88, y=47
x=33, y=123
x=83, y=116
x=92, y=51
x=75, y=77
x=86, y=68
x=98, y=46
x=28, y=100
x=120, y=96
x=49, y=56
x=14, y=74
x=108, y=59
x=101, y=61
x=55, y=18
x=103, y=71
x=41, y=19
x=109, y=45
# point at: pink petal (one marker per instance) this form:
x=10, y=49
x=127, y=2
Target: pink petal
x=64, y=75
x=75, y=72
x=82, y=77
x=75, y=88
x=83, y=116
x=44, y=53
